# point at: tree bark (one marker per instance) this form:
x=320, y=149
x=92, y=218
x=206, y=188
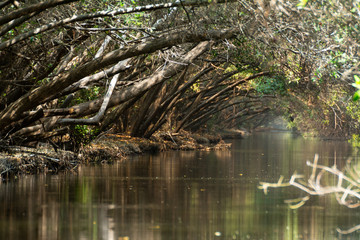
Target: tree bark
x=143, y=111
x=170, y=102
x=157, y=106
x=114, y=116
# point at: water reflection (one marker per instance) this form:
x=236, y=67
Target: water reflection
x=180, y=195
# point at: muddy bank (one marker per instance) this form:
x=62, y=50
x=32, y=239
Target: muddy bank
x=111, y=147
x=106, y=148
x=23, y=160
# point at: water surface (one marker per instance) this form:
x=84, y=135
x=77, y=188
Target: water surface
x=181, y=195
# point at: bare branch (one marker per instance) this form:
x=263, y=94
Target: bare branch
x=144, y=85
x=351, y=230
x=113, y=13
x=32, y=8
x=344, y=189
x=97, y=118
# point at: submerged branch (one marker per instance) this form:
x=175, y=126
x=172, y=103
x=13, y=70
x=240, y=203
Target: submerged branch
x=265, y=185
x=351, y=230
x=345, y=186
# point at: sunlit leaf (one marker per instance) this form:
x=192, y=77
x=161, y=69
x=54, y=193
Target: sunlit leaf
x=356, y=96
x=302, y=3
x=357, y=79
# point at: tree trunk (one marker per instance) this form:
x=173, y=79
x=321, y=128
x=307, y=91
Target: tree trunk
x=140, y=87
x=188, y=115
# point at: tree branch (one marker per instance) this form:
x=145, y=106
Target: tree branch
x=140, y=87
x=32, y=8
x=216, y=95
x=97, y=118
x=45, y=92
x=113, y=13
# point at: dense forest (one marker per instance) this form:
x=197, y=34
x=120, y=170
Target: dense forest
x=73, y=69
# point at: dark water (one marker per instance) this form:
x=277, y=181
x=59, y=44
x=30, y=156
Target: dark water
x=181, y=195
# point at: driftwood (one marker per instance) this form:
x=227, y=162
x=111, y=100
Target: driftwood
x=346, y=188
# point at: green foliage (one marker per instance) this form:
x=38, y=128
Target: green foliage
x=270, y=85
x=195, y=87
x=302, y=3
x=88, y=95
x=290, y=125
x=83, y=134
x=355, y=141
x=353, y=111
x=356, y=85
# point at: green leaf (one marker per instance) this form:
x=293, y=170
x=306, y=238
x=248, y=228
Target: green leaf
x=356, y=96
x=302, y=3
x=357, y=79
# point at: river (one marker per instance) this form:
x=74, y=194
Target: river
x=181, y=195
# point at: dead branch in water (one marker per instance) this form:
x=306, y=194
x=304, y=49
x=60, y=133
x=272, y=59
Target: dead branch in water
x=346, y=188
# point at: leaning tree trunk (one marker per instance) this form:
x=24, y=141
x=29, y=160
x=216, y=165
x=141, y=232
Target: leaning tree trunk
x=207, y=101
x=134, y=90
x=41, y=94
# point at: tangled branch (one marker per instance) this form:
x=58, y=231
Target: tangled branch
x=345, y=188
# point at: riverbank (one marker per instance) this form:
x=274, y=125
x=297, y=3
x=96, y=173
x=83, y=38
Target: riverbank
x=106, y=148
x=109, y=147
